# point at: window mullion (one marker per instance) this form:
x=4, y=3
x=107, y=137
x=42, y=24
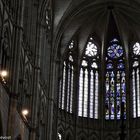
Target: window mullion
x=139, y=88
x=89, y=92
x=68, y=87
x=71, y=93
x=70, y=81
x=63, y=88
x=136, y=92
x=96, y=94
x=80, y=102
x=60, y=93
x=94, y=87
x=91, y=95
x=119, y=105
x=83, y=92
x=109, y=95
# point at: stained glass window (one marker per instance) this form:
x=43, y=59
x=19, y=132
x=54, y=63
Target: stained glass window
x=109, y=66
x=66, y=81
x=91, y=49
x=115, y=81
x=89, y=82
x=115, y=49
x=94, y=65
x=136, y=79
x=136, y=48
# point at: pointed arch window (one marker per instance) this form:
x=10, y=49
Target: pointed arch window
x=115, y=83
x=136, y=79
x=66, y=81
x=89, y=82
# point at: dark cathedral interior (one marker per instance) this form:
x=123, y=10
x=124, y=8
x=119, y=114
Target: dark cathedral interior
x=69, y=69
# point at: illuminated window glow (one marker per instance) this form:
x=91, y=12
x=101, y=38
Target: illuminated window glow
x=115, y=50
x=136, y=80
x=91, y=49
x=88, y=83
x=115, y=82
x=66, y=82
x=136, y=48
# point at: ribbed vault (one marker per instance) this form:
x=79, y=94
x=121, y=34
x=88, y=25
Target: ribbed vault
x=92, y=18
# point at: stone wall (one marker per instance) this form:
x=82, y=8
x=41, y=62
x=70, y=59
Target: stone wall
x=4, y=106
x=21, y=128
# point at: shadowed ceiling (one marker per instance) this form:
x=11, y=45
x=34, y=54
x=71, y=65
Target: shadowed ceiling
x=91, y=17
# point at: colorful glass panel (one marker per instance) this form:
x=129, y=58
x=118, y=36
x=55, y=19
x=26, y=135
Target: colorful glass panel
x=118, y=95
x=115, y=50
x=115, y=82
x=120, y=66
x=109, y=66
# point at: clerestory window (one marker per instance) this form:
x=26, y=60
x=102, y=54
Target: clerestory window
x=136, y=79
x=66, y=81
x=115, y=83
x=89, y=81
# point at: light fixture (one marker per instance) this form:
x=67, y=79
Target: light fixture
x=25, y=112
x=3, y=73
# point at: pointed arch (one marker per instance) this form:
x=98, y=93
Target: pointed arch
x=115, y=82
x=89, y=81
x=115, y=77
x=67, y=80
x=135, y=74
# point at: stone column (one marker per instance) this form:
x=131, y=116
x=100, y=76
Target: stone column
x=36, y=74
x=14, y=71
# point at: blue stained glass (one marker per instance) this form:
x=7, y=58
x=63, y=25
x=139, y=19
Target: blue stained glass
x=121, y=66
x=114, y=94
x=123, y=75
x=118, y=99
x=109, y=66
x=115, y=81
x=115, y=50
x=112, y=74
